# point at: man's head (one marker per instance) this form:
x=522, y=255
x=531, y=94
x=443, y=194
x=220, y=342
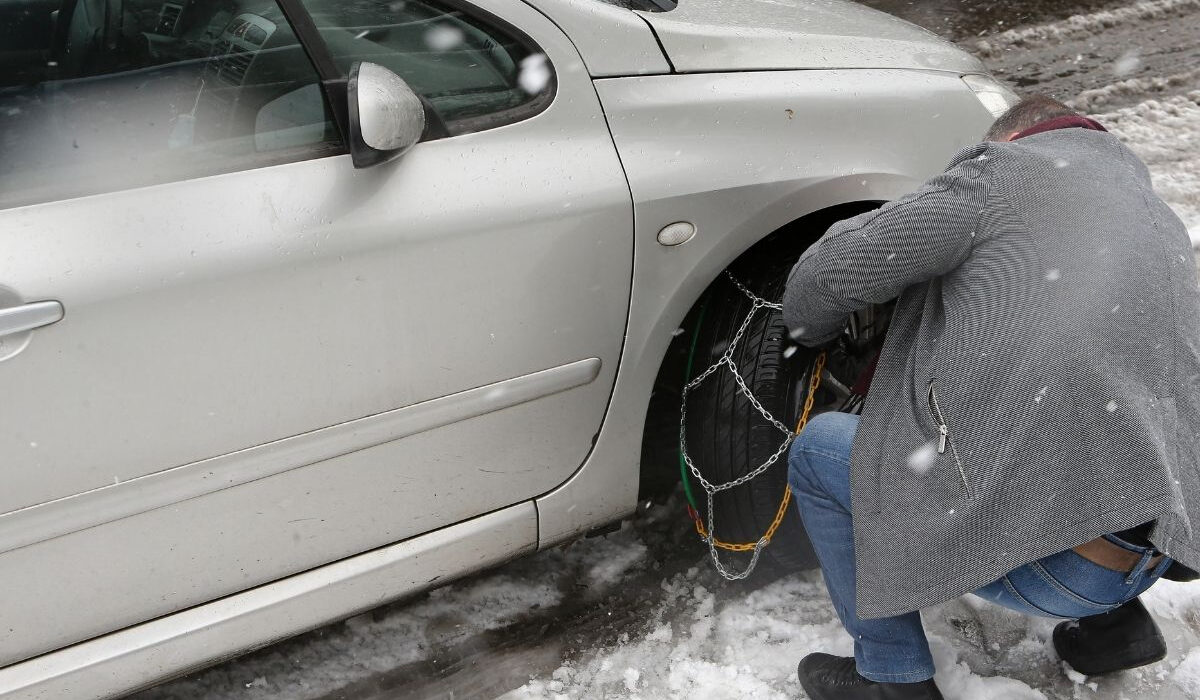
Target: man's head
x=1030, y=111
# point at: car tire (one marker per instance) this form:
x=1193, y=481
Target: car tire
x=726, y=435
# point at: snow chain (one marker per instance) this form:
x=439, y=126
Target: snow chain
x=706, y=530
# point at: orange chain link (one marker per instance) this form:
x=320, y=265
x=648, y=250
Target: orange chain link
x=813, y=382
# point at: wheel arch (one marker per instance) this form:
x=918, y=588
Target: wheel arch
x=606, y=486
x=790, y=239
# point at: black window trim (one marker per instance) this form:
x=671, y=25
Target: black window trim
x=523, y=111
x=334, y=84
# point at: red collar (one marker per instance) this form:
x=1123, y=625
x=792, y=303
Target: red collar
x=1067, y=122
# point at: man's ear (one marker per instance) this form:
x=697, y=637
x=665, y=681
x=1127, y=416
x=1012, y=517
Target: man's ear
x=1010, y=135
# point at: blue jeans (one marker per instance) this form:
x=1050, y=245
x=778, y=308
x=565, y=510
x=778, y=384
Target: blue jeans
x=894, y=649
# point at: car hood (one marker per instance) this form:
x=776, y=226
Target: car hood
x=733, y=35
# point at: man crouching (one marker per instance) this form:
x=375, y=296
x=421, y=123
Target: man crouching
x=1031, y=430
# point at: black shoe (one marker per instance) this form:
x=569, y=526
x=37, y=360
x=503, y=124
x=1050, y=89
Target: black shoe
x=828, y=677
x=1123, y=638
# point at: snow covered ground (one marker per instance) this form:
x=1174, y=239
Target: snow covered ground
x=707, y=639
x=640, y=614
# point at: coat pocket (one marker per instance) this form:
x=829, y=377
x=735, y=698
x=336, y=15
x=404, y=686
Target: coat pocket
x=945, y=440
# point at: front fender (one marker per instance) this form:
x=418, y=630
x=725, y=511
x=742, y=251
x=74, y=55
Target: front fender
x=741, y=155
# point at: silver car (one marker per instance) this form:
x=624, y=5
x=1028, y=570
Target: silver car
x=307, y=305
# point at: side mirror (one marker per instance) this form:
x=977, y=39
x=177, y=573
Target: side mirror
x=386, y=116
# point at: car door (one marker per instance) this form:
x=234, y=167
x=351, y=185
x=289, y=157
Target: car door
x=265, y=359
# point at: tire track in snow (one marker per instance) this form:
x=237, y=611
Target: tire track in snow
x=1140, y=88
x=1082, y=26
x=1105, y=60
x=478, y=637
x=960, y=20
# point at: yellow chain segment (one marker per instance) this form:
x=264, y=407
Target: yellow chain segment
x=813, y=382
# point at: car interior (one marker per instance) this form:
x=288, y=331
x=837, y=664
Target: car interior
x=95, y=88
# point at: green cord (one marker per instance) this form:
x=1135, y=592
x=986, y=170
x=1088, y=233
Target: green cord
x=687, y=377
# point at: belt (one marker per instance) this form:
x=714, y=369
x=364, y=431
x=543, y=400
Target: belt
x=1104, y=553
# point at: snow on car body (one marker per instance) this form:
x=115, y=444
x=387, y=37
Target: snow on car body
x=289, y=391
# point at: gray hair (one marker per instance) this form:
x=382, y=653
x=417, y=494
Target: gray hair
x=1026, y=113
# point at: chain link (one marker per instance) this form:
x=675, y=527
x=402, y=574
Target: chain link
x=726, y=360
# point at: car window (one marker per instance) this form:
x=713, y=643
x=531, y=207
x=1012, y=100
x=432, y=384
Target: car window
x=472, y=70
x=112, y=94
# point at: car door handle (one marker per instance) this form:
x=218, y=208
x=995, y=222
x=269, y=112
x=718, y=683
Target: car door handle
x=19, y=319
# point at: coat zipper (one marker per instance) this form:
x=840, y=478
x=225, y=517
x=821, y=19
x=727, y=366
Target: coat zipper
x=944, y=437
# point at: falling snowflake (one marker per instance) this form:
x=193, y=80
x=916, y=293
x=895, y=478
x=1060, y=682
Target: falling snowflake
x=1127, y=63
x=535, y=73
x=922, y=458
x=1110, y=406
x=443, y=37
x=1053, y=274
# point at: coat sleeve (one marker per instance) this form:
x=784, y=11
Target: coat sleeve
x=871, y=258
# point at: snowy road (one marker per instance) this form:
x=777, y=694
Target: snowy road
x=640, y=613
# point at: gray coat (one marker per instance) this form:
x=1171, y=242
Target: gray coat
x=1048, y=324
